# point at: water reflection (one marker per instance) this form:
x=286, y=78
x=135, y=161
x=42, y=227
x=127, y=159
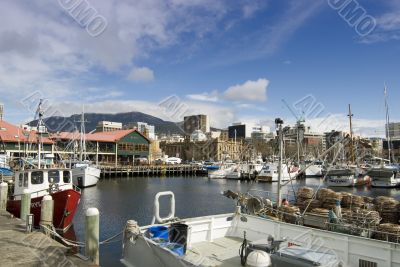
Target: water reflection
x=121, y=199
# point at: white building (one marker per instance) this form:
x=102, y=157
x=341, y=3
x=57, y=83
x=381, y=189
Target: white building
x=245, y=130
x=146, y=129
x=108, y=126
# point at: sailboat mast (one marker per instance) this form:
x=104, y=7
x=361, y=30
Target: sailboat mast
x=39, y=132
x=82, y=154
x=279, y=123
x=387, y=126
x=351, y=135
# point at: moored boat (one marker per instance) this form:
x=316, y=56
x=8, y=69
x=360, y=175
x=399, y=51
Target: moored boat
x=270, y=172
x=41, y=182
x=384, y=177
x=84, y=173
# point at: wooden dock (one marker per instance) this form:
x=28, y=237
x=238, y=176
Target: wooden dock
x=150, y=170
x=19, y=248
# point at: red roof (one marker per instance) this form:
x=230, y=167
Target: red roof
x=12, y=133
x=111, y=137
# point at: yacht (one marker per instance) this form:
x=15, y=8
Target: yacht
x=235, y=173
x=222, y=171
x=346, y=177
x=384, y=177
x=84, y=173
x=270, y=173
x=315, y=168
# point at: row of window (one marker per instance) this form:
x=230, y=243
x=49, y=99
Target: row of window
x=37, y=177
x=133, y=147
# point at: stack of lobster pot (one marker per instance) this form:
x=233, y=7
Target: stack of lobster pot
x=289, y=214
x=388, y=232
x=331, y=199
x=388, y=209
x=351, y=201
x=305, y=199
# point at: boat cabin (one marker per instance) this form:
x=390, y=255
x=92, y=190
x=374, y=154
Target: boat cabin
x=41, y=181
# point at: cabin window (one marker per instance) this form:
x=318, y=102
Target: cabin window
x=26, y=179
x=37, y=177
x=21, y=177
x=66, y=177
x=53, y=176
x=364, y=263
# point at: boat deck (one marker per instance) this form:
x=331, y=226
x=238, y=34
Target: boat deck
x=221, y=252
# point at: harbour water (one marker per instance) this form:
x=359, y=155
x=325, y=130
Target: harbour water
x=121, y=199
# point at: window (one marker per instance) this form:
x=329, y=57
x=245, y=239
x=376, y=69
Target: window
x=26, y=179
x=364, y=263
x=53, y=177
x=21, y=176
x=37, y=177
x=66, y=177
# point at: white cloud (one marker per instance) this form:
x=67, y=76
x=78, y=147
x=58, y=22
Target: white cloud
x=387, y=25
x=43, y=48
x=209, y=97
x=248, y=91
x=142, y=74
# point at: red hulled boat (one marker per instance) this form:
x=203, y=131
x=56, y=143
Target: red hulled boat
x=40, y=182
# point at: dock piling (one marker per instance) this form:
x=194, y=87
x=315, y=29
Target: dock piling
x=3, y=195
x=92, y=235
x=47, y=211
x=25, y=204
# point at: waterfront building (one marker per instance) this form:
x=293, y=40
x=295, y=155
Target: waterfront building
x=119, y=147
x=196, y=122
x=17, y=142
x=108, y=126
x=212, y=149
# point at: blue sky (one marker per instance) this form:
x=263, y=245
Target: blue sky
x=233, y=60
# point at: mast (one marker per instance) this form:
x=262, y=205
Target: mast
x=40, y=130
x=82, y=154
x=387, y=125
x=279, y=123
x=351, y=135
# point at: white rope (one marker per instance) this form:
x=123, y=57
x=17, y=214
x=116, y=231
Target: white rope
x=66, y=241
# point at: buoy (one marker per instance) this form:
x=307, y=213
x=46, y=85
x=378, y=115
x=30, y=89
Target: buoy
x=258, y=258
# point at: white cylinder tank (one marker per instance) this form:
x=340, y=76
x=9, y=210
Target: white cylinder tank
x=258, y=258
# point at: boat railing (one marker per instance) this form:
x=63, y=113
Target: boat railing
x=49, y=190
x=290, y=195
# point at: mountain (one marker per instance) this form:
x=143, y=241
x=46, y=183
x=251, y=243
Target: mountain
x=68, y=124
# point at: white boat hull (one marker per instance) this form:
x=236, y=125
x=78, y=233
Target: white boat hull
x=206, y=249
x=314, y=171
x=85, y=176
x=341, y=181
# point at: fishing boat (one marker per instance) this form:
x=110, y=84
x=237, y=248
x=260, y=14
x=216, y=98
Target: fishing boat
x=41, y=182
x=38, y=181
x=239, y=239
x=84, y=172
